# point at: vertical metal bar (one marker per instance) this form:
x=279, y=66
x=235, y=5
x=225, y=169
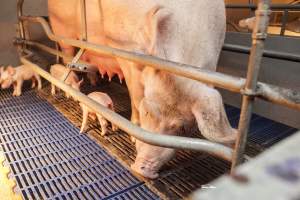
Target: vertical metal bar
x=258, y=37
x=284, y=21
x=57, y=56
x=83, y=20
x=20, y=22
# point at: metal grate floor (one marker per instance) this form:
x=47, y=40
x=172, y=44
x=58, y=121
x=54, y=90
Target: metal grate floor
x=50, y=159
x=189, y=170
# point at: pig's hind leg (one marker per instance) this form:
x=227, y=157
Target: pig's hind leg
x=18, y=88
x=85, y=114
x=103, y=122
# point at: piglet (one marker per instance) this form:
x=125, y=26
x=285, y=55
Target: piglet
x=69, y=77
x=16, y=76
x=103, y=99
x=247, y=23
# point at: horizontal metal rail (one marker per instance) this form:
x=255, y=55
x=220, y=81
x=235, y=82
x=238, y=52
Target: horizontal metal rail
x=218, y=79
x=267, y=53
x=231, y=83
x=286, y=8
x=273, y=7
x=139, y=133
x=265, y=91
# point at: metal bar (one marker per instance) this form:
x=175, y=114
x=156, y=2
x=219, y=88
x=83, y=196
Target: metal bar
x=284, y=21
x=57, y=53
x=276, y=94
x=273, y=6
x=20, y=13
x=77, y=56
x=258, y=39
x=218, y=79
x=20, y=22
x=139, y=133
x=83, y=20
x=57, y=48
x=267, y=92
x=266, y=53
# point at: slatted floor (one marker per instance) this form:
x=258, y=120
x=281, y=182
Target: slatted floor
x=50, y=159
x=189, y=170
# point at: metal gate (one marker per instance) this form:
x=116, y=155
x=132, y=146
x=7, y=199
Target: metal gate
x=249, y=88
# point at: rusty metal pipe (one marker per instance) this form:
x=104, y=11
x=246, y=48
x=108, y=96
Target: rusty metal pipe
x=258, y=40
x=139, y=133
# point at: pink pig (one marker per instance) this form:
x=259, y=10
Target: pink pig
x=247, y=23
x=104, y=100
x=16, y=76
x=61, y=72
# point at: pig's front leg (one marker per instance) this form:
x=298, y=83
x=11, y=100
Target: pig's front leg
x=38, y=79
x=33, y=83
x=53, y=89
x=19, y=87
x=15, y=88
x=103, y=122
x=68, y=95
x=132, y=74
x=114, y=127
x=85, y=114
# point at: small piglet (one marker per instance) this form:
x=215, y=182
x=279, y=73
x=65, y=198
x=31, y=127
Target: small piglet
x=16, y=76
x=103, y=99
x=62, y=73
x=247, y=23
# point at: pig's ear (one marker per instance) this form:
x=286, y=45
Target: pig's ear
x=11, y=71
x=155, y=27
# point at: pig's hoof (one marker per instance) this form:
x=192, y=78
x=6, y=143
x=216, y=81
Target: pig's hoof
x=132, y=139
x=103, y=133
x=147, y=173
x=114, y=128
x=82, y=130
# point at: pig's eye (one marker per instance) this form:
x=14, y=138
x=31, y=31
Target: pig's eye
x=142, y=168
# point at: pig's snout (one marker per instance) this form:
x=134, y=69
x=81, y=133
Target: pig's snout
x=145, y=168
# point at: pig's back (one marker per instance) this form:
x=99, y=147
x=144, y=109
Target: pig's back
x=101, y=98
x=57, y=70
x=25, y=72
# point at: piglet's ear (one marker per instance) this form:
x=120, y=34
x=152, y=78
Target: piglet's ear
x=11, y=71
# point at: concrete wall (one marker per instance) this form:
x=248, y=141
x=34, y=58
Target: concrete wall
x=8, y=20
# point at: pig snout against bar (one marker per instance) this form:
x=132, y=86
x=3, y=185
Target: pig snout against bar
x=249, y=87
